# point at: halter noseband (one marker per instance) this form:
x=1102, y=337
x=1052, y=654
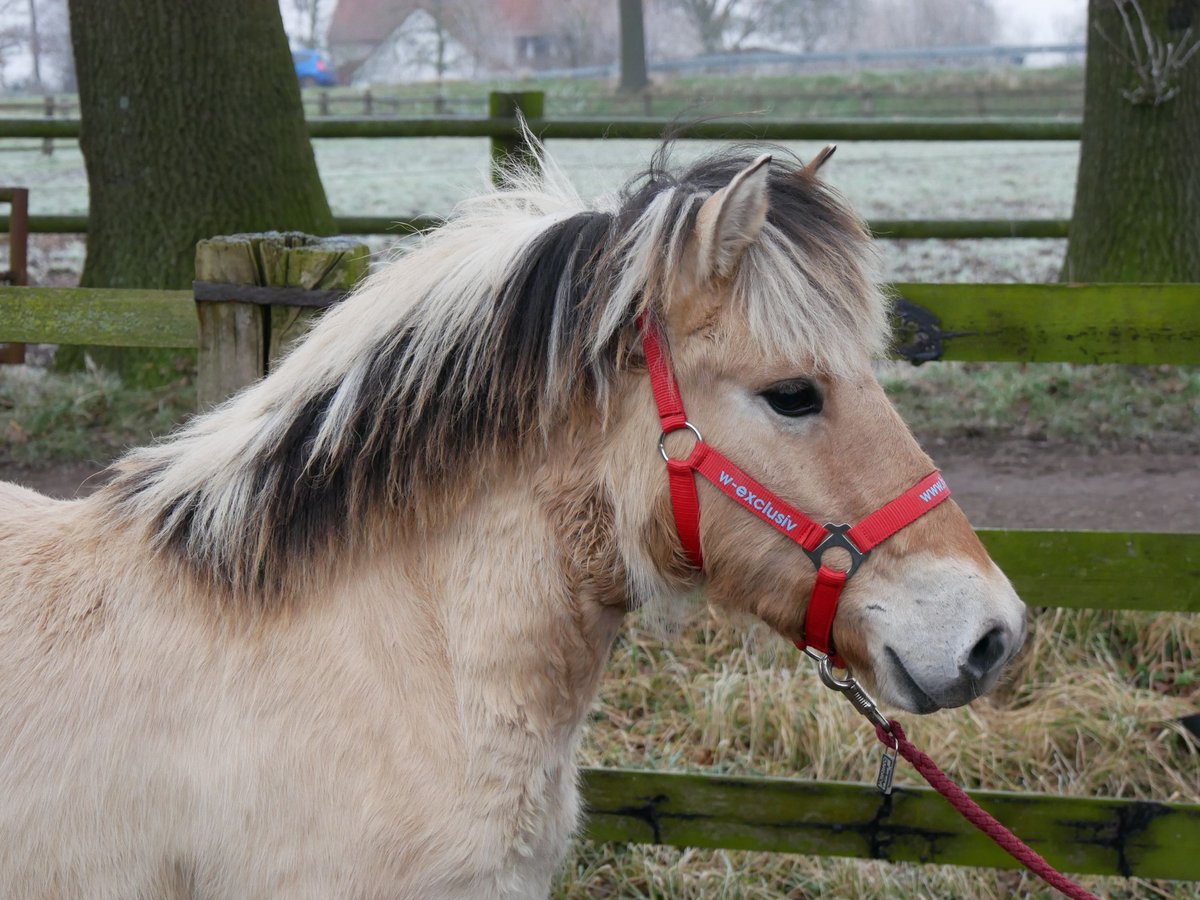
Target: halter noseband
x=729, y=479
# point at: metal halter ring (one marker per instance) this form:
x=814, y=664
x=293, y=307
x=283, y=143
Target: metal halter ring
x=662, y=438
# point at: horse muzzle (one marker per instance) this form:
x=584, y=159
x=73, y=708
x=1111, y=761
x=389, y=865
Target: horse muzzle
x=965, y=644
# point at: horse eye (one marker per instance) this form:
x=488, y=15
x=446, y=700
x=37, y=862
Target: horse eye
x=794, y=398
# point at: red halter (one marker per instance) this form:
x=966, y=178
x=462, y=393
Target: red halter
x=729, y=479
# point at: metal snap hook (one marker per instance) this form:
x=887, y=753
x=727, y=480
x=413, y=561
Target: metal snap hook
x=854, y=692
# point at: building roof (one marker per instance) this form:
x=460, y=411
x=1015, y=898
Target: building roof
x=370, y=21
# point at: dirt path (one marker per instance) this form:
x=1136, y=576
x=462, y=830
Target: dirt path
x=1029, y=485
x=1019, y=484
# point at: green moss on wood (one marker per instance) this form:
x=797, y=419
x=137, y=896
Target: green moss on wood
x=1076, y=834
x=1093, y=323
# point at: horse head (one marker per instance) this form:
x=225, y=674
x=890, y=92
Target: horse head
x=762, y=290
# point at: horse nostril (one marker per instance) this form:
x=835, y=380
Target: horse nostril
x=987, y=652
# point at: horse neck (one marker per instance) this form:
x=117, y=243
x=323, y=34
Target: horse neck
x=528, y=593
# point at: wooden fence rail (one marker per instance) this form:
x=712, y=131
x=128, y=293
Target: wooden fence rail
x=887, y=229
x=650, y=129
x=867, y=100
x=784, y=815
x=1093, y=323
x=17, y=273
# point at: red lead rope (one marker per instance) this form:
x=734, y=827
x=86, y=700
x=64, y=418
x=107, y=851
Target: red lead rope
x=814, y=539
x=984, y=821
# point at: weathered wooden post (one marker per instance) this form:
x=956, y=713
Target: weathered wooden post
x=48, y=108
x=633, y=47
x=255, y=295
x=314, y=273
x=513, y=149
x=18, y=247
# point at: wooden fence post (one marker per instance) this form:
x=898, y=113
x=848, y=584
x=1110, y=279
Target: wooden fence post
x=232, y=335
x=507, y=151
x=18, y=247
x=294, y=260
x=255, y=295
x=48, y=143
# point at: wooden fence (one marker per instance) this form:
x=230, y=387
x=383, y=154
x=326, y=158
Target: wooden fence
x=864, y=100
x=1097, y=570
x=500, y=126
x=1091, y=324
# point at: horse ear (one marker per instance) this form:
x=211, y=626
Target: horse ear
x=819, y=160
x=731, y=219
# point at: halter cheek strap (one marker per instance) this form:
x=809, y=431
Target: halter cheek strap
x=814, y=539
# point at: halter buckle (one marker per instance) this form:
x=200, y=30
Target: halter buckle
x=837, y=537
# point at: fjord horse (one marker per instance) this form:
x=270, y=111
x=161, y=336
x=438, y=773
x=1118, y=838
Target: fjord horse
x=339, y=636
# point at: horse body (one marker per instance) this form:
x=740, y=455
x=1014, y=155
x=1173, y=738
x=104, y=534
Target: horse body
x=338, y=637
x=350, y=750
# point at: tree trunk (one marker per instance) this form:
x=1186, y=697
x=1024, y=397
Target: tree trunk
x=633, y=47
x=1137, y=199
x=35, y=45
x=192, y=127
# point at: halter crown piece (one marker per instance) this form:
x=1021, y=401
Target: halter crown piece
x=814, y=539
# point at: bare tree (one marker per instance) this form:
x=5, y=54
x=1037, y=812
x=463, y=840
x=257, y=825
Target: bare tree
x=433, y=40
x=39, y=31
x=584, y=32
x=809, y=24
x=668, y=31
x=13, y=34
x=805, y=24
x=54, y=42
x=312, y=17
x=35, y=45
x=720, y=24
x=928, y=23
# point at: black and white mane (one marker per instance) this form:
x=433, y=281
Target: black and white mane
x=485, y=335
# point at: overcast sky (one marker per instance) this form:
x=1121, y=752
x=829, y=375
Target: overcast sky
x=1037, y=21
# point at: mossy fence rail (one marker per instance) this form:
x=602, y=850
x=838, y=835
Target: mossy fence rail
x=501, y=127
x=1087, y=324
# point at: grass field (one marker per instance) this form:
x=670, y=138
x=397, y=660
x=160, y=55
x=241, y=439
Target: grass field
x=999, y=90
x=1092, y=707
